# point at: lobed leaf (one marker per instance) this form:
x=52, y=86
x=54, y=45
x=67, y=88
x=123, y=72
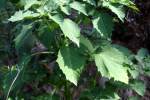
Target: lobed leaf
x=20, y=15
x=71, y=30
x=29, y=3
x=103, y=24
x=71, y=63
x=79, y=7
x=116, y=8
x=110, y=64
x=138, y=87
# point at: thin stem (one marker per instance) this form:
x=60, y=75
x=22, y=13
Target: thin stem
x=19, y=70
x=12, y=84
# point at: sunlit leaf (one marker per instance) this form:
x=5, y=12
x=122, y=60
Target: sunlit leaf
x=104, y=25
x=110, y=64
x=20, y=15
x=71, y=30
x=71, y=63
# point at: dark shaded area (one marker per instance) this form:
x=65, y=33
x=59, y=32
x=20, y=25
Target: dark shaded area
x=134, y=33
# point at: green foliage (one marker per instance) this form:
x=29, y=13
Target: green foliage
x=110, y=64
x=24, y=34
x=20, y=15
x=70, y=64
x=71, y=30
x=139, y=87
x=49, y=34
x=104, y=25
x=116, y=8
x=79, y=7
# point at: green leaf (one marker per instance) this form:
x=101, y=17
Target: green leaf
x=134, y=72
x=50, y=5
x=66, y=9
x=46, y=35
x=62, y=2
x=123, y=49
x=71, y=30
x=92, y=2
x=128, y=3
x=110, y=64
x=58, y=18
x=104, y=25
x=25, y=33
x=125, y=2
x=87, y=43
x=79, y=7
x=116, y=8
x=142, y=53
x=71, y=63
x=138, y=87
x=29, y=3
x=20, y=15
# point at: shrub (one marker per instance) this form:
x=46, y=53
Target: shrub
x=56, y=41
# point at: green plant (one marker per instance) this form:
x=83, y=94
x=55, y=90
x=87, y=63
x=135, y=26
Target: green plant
x=52, y=38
